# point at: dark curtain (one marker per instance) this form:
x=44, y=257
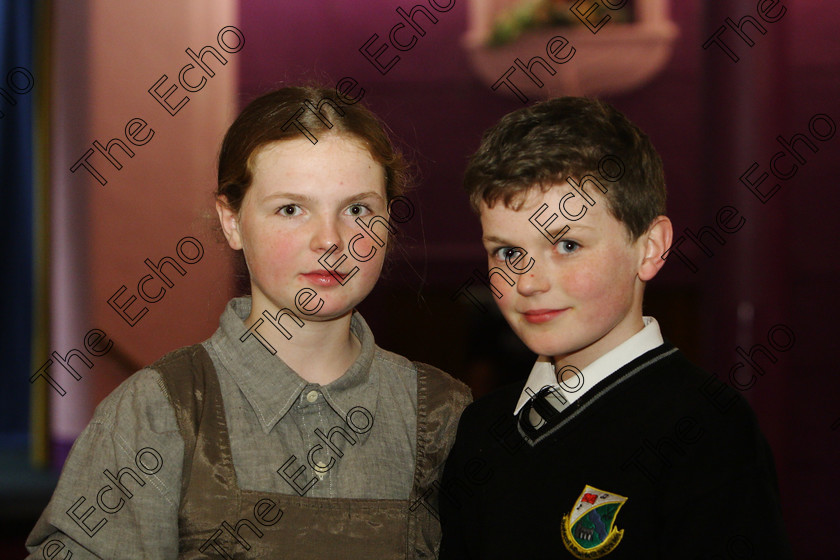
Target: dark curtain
x=16, y=204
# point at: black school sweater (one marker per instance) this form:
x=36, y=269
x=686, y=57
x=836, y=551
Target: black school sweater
x=684, y=449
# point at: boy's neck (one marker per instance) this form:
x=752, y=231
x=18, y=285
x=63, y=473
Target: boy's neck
x=621, y=333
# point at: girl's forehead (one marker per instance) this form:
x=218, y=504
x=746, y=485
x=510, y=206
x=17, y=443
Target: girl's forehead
x=335, y=164
x=331, y=155
x=327, y=146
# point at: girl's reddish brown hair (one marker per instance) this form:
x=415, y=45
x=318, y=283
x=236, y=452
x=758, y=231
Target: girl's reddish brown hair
x=280, y=115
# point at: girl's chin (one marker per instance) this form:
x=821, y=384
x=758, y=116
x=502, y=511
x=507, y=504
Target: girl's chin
x=328, y=312
x=314, y=305
x=326, y=315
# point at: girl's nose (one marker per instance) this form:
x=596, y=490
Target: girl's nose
x=326, y=235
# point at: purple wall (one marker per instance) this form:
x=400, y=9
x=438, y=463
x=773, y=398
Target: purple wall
x=710, y=119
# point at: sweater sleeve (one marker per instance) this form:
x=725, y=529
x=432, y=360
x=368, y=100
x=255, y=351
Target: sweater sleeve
x=453, y=544
x=119, y=490
x=729, y=507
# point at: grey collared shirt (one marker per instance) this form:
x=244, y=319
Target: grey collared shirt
x=119, y=491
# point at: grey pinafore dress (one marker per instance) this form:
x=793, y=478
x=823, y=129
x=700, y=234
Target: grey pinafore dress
x=217, y=519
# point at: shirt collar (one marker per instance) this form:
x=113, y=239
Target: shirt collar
x=271, y=387
x=542, y=374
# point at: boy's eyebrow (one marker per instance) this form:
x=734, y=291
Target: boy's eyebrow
x=572, y=228
x=494, y=239
x=552, y=232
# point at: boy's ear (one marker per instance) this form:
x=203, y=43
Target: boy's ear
x=229, y=219
x=656, y=240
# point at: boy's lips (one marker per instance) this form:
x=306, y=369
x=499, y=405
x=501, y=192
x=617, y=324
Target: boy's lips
x=542, y=315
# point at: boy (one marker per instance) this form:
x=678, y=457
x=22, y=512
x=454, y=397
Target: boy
x=617, y=446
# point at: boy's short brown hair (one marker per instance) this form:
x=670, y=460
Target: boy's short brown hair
x=568, y=137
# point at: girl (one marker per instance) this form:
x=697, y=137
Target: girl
x=288, y=433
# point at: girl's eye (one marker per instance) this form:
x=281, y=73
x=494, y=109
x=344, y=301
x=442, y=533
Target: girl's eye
x=507, y=253
x=289, y=210
x=566, y=246
x=358, y=209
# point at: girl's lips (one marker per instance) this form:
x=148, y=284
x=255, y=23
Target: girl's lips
x=323, y=278
x=541, y=315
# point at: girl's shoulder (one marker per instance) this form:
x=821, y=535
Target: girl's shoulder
x=139, y=401
x=437, y=381
x=144, y=397
x=390, y=360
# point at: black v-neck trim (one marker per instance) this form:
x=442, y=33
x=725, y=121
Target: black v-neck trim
x=533, y=436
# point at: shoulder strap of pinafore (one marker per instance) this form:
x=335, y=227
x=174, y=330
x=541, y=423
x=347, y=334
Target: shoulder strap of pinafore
x=189, y=380
x=440, y=401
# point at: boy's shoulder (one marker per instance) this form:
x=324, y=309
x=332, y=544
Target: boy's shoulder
x=660, y=386
x=503, y=397
x=671, y=377
x=493, y=408
x=664, y=385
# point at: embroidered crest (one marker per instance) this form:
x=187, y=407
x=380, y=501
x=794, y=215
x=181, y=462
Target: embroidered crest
x=589, y=530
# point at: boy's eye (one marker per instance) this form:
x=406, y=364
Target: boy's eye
x=358, y=209
x=567, y=246
x=507, y=253
x=289, y=210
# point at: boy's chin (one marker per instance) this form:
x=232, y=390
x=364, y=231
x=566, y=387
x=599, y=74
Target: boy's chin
x=545, y=344
x=542, y=346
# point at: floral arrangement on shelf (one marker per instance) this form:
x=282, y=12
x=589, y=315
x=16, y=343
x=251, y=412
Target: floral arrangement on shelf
x=537, y=14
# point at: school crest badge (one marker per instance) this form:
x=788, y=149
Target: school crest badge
x=589, y=530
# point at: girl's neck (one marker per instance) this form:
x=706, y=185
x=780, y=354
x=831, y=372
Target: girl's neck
x=319, y=352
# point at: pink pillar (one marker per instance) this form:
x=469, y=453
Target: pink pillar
x=746, y=283
x=107, y=57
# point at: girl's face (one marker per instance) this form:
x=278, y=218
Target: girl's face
x=304, y=200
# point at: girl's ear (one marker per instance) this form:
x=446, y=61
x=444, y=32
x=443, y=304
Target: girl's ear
x=229, y=220
x=657, y=240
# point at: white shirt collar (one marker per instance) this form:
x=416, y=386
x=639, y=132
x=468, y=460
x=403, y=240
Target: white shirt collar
x=542, y=374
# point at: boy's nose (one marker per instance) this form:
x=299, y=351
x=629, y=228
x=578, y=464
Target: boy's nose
x=533, y=282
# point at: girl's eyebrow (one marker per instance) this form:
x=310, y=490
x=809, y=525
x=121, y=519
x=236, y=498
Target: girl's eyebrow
x=361, y=196
x=297, y=197
x=291, y=196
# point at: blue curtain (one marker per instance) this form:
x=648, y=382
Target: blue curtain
x=16, y=206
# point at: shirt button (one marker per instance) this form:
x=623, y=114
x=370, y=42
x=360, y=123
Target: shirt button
x=312, y=396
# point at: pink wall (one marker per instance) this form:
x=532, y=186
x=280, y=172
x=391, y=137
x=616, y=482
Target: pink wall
x=107, y=56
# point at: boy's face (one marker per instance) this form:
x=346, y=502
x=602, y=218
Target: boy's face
x=580, y=297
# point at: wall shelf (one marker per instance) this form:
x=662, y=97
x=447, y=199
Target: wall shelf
x=619, y=58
